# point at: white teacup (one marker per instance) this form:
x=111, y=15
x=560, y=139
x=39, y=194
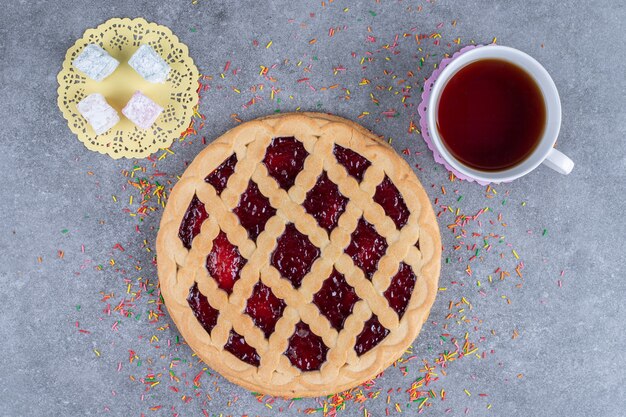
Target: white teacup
x=544, y=151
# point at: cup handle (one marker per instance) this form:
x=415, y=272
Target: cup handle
x=559, y=162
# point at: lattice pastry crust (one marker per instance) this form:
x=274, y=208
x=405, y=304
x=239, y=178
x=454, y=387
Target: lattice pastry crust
x=272, y=364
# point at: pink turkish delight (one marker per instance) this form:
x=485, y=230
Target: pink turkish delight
x=141, y=110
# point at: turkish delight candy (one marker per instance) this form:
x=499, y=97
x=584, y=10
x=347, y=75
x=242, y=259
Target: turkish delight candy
x=149, y=64
x=141, y=110
x=95, y=62
x=100, y=115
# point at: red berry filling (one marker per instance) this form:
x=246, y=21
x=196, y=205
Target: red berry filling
x=265, y=308
x=325, y=203
x=284, y=160
x=206, y=315
x=336, y=299
x=399, y=292
x=192, y=220
x=224, y=262
x=306, y=350
x=355, y=164
x=219, y=177
x=254, y=210
x=366, y=247
x=372, y=334
x=388, y=196
x=237, y=346
x=294, y=255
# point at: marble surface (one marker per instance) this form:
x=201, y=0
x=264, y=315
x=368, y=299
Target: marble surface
x=548, y=343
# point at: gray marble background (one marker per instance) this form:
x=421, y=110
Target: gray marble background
x=57, y=196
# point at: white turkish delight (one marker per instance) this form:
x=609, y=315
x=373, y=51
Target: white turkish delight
x=149, y=64
x=95, y=62
x=141, y=110
x=100, y=115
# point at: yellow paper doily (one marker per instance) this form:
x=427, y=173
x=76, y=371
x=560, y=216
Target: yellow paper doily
x=178, y=95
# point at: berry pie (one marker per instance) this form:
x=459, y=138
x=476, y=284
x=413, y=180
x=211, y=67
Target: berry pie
x=299, y=255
